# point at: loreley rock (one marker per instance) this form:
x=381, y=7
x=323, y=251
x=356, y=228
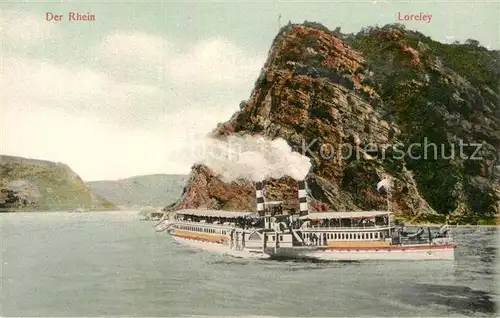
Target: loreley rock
x=415, y=17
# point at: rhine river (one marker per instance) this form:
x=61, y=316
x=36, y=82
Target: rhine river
x=112, y=264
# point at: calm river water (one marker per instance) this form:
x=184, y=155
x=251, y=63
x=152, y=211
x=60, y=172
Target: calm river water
x=112, y=264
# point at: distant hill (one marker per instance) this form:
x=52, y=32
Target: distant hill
x=150, y=190
x=387, y=103
x=39, y=185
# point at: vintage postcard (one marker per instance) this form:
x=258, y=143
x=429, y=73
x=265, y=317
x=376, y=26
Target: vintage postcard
x=249, y=158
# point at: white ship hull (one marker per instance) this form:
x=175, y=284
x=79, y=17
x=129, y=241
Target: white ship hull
x=357, y=254
x=218, y=248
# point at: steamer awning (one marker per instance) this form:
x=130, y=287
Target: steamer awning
x=344, y=215
x=216, y=213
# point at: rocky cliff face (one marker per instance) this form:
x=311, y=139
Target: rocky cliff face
x=31, y=185
x=354, y=111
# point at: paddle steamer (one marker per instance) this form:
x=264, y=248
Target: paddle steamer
x=279, y=232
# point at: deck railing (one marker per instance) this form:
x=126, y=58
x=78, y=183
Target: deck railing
x=213, y=225
x=344, y=228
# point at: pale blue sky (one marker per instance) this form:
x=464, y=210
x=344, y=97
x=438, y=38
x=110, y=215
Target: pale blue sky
x=124, y=94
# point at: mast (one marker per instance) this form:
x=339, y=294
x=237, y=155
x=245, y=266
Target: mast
x=386, y=184
x=389, y=205
x=389, y=201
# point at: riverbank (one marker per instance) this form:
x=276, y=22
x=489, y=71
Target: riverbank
x=437, y=220
x=432, y=220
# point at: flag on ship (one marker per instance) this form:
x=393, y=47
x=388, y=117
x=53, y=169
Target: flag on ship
x=384, y=184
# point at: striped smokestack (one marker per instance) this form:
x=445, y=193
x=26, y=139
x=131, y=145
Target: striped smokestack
x=304, y=208
x=259, y=193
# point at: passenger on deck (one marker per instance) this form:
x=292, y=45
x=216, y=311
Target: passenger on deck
x=403, y=231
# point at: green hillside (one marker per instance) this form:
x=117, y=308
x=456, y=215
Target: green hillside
x=38, y=185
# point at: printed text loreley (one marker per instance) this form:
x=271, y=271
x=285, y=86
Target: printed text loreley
x=424, y=17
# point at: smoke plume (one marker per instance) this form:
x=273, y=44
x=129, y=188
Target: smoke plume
x=252, y=157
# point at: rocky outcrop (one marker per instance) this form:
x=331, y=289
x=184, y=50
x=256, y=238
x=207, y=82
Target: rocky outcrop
x=448, y=101
x=336, y=105
x=38, y=185
x=20, y=192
